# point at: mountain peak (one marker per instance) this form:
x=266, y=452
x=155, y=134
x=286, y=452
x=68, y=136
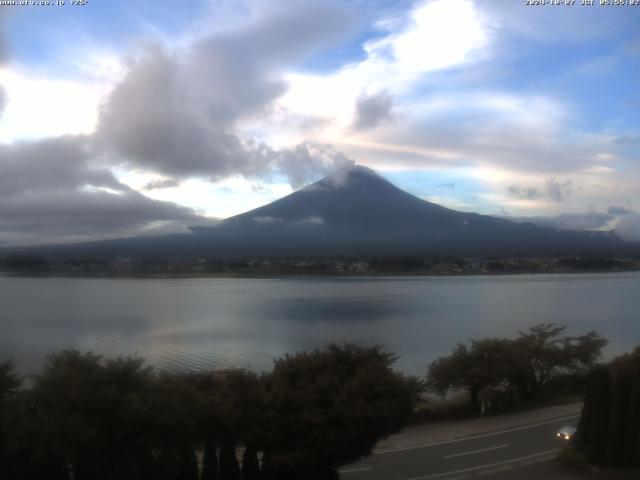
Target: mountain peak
x=348, y=176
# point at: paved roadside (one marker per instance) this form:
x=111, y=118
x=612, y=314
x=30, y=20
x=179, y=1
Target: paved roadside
x=443, y=431
x=518, y=445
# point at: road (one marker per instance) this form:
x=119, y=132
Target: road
x=491, y=455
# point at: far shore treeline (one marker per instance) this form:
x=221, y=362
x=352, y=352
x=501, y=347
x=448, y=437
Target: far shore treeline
x=84, y=416
x=324, y=265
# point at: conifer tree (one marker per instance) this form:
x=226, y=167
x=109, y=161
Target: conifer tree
x=599, y=422
x=210, y=458
x=587, y=408
x=187, y=464
x=618, y=417
x=632, y=444
x=166, y=465
x=266, y=469
x=250, y=465
x=229, y=468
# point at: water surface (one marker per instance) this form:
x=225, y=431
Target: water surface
x=203, y=323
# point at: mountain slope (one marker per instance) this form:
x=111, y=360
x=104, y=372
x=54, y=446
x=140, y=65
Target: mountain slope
x=355, y=211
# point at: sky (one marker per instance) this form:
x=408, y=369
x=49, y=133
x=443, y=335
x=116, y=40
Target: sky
x=122, y=118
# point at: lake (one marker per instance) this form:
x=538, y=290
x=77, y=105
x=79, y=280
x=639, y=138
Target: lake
x=190, y=324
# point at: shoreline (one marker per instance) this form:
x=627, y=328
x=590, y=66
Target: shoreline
x=292, y=276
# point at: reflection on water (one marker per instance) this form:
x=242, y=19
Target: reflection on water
x=205, y=323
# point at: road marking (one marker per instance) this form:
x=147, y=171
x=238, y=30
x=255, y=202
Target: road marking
x=489, y=465
x=476, y=451
x=473, y=437
x=497, y=470
x=353, y=470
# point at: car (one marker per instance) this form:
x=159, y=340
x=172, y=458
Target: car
x=566, y=433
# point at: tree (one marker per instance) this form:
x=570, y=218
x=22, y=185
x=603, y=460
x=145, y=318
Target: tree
x=527, y=363
x=621, y=393
x=330, y=407
x=230, y=402
x=632, y=443
x=97, y=412
x=10, y=384
x=485, y=364
x=229, y=468
x=596, y=424
x=173, y=410
x=609, y=428
x=187, y=464
x=547, y=352
x=210, y=458
x=250, y=465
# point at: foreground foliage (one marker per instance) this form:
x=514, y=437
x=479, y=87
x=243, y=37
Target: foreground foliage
x=88, y=417
x=526, y=367
x=609, y=428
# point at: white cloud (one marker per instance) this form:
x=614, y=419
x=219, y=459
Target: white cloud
x=439, y=35
x=313, y=220
x=46, y=107
x=267, y=220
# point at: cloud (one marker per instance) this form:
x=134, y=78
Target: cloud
x=575, y=25
x=3, y=58
x=432, y=37
x=616, y=210
x=267, y=220
x=627, y=140
x=50, y=165
x=313, y=220
x=76, y=215
x=555, y=190
x=372, y=110
x=3, y=99
x=161, y=184
x=176, y=113
x=486, y=128
x=525, y=193
x=309, y=160
x=3, y=44
x=629, y=227
x=52, y=191
x=569, y=221
x=452, y=25
x=558, y=191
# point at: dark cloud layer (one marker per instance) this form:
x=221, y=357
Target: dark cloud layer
x=50, y=165
x=50, y=191
x=37, y=217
